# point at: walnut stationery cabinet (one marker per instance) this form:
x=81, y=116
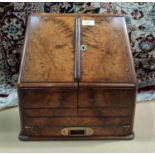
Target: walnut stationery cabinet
x=77, y=78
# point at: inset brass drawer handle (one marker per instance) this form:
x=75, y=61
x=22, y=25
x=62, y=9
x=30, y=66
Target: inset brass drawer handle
x=77, y=131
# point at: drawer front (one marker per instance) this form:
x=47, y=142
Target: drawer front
x=48, y=98
x=106, y=112
x=101, y=97
x=99, y=131
x=75, y=121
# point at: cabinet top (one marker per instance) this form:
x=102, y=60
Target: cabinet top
x=51, y=41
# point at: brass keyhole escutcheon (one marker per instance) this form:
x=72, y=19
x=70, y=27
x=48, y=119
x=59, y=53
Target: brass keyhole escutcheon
x=83, y=47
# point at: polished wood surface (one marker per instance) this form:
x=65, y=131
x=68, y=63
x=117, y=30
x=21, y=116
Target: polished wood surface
x=50, y=57
x=99, y=131
x=49, y=98
x=76, y=75
x=76, y=121
x=50, y=50
x=80, y=112
x=100, y=97
x=106, y=58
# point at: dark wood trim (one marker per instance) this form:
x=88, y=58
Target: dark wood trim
x=130, y=56
x=47, y=85
x=24, y=50
x=108, y=85
x=77, y=49
x=133, y=107
x=131, y=62
x=81, y=84
x=20, y=110
x=24, y=137
x=20, y=73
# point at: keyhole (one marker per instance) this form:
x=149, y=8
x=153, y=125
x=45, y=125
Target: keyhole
x=83, y=47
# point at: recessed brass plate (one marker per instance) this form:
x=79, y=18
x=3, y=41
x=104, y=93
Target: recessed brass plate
x=77, y=131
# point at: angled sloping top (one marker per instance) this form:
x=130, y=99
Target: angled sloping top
x=49, y=55
x=50, y=50
x=107, y=58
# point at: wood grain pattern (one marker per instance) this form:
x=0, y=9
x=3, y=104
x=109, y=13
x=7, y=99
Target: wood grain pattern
x=50, y=50
x=51, y=98
x=52, y=132
x=76, y=121
x=101, y=97
x=74, y=112
x=106, y=58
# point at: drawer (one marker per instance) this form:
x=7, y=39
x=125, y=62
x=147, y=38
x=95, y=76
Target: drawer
x=48, y=97
x=102, y=97
x=99, y=131
x=49, y=112
x=75, y=121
